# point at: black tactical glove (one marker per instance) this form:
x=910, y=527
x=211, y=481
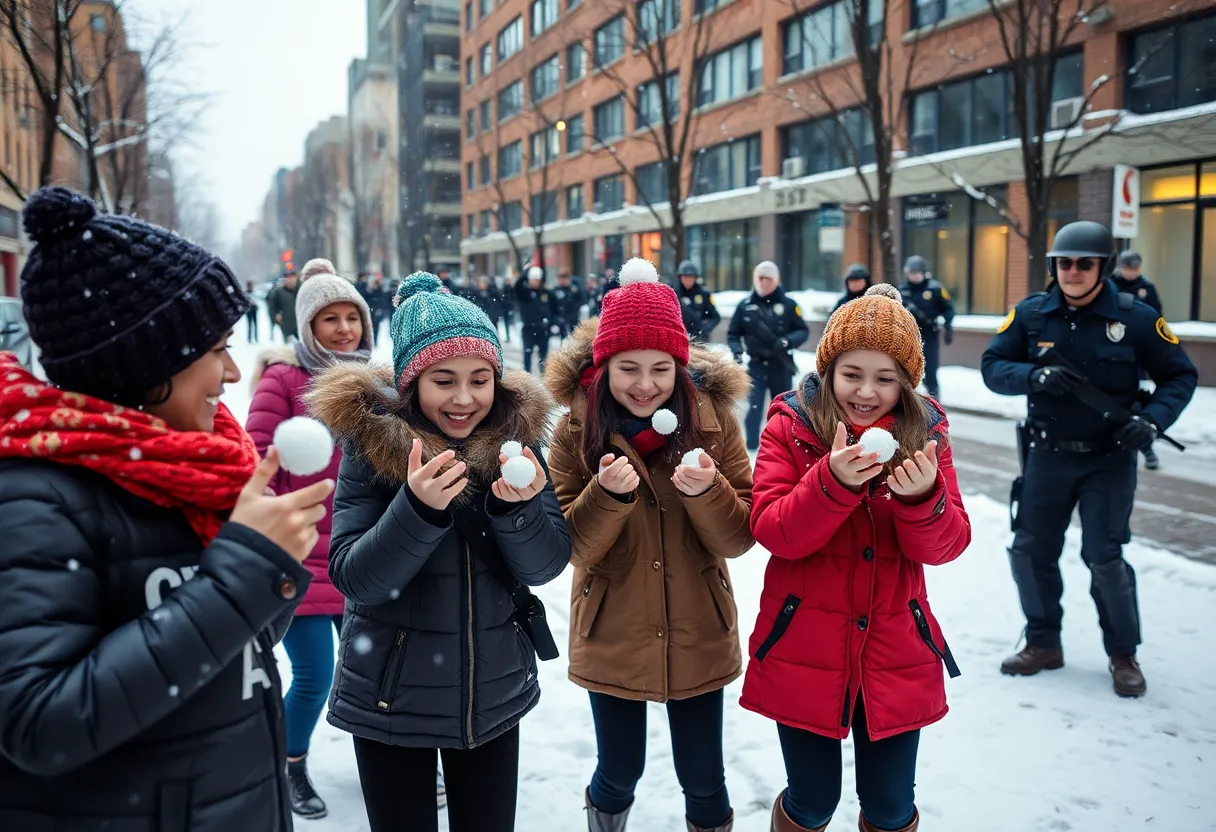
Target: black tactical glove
x=949, y=336
x=1055, y=380
x=1138, y=434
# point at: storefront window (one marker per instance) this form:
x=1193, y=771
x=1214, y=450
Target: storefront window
x=1207, y=274
x=967, y=245
x=1167, y=184
x=726, y=252
x=1167, y=244
x=803, y=265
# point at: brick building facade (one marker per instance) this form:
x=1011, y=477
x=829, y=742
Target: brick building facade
x=956, y=137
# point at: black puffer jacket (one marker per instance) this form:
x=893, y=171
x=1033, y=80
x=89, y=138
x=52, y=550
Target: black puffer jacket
x=138, y=691
x=431, y=655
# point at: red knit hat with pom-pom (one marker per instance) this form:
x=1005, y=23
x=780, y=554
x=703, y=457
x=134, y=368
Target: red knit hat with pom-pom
x=643, y=314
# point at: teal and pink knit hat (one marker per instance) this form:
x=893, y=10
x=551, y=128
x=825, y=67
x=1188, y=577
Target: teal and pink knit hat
x=431, y=324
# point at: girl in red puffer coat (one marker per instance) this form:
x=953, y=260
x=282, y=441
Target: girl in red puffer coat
x=845, y=637
x=335, y=326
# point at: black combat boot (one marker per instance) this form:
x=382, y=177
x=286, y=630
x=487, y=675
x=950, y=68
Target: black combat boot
x=1150, y=460
x=305, y=801
x=598, y=821
x=1030, y=660
x=726, y=827
x=1125, y=672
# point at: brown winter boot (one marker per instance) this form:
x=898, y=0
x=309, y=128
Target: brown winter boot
x=782, y=822
x=1030, y=660
x=598, y=821
x=1125, y=671
x=726, y=827
x=911, y=827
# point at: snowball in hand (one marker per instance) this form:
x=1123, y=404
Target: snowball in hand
x=692, y=459
x=305, y=446
x=664, y=421
x=511, y=449
x=518, y=472
x=879, y=441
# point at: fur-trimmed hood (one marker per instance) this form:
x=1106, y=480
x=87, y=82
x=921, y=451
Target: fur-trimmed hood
x=720, y=381
x=359, y=403
x=268, y=357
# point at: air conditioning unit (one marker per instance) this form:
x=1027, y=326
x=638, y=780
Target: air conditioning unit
x=1066, y=112
x=445, y=63
x=793, y=167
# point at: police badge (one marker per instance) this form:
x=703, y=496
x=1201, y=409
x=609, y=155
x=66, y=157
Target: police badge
x=778, y=309
x=686, y=301
x=1143, y=293
x=1115, y=330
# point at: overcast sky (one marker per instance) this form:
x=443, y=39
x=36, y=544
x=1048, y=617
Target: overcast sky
x=275, y=69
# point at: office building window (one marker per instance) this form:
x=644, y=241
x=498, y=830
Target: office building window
x=928, y=12
x=576, y=62
x=655, y=19
x=544, y=15
x=652, y=183
x=830, y=143
x=726, y=252
x=484, y=7
x=574, y=202
x=485, y=170
x=510, y=100
x=703, y=6
x=731, y=72
x=543, y=208
x=511, y=217
x=546, y=147
x=546, y=78
x=609, y=193
x=1172, y=67
x=966, y=242
x=574, y=135
x=610, y=41
x=468, y=27
x=485, y=222
x=724, y=167
x=650, y=105
x=510, y=160
x=470, y=176
x=609, y=120
x=487, y=60
x=469, y=73
x=483, y=110
x=510, y=39
x=824, y=35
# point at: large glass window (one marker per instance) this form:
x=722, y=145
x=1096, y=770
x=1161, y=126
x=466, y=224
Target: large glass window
x=726, y=251
x=546, y=147
x=1171, y=67
x=609, y=119
x=830, y=143
x=544, y=208
x=655, y=19
x=650, y=103
x=576, y=62
x=727, y=166
x=804, y=265
x=824, y=35
x=652, y=183
x=928, y=12
x=510, y=39
x=487, y=60
x=510, y=160
x=966, y=242
x=610, y=41
x=510, y=100
x=546, y=78
x=731, y=72
x=609, y=193
x=574, y=134
x=484, y=164
x=512, y=217
x=575, y=207
x=483, y=110
x=544, y=15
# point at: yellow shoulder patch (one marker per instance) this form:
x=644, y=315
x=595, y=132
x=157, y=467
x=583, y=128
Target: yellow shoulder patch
x=1008, y=320
x=798, y=310
x=711, y=300
x=1163, y=329
x=945, y=293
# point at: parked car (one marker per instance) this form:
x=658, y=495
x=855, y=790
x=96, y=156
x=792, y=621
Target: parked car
x=14, y=334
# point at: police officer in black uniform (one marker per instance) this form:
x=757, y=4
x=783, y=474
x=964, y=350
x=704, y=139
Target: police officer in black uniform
x=856, y=281
x=489, y=299
x=606, y=284
x=1058, y=348
x=1129, y=279
x=701, y=317
x=929, y=303
x=768, y=325
x=533, y=305
x=566, y=302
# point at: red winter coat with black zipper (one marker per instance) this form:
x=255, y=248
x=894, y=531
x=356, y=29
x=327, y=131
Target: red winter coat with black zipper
x=844, y=609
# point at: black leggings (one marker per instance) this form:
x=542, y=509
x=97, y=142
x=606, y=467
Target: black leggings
x=399, y=785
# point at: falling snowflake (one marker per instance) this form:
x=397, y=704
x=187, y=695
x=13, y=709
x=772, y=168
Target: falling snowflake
x=73, y=565
x=21, y=415
x=174, y=691
x=88, y=293
x=187, y=350
x=86, y=236
x=394, y=594
x=362, y=645
x=136, y=454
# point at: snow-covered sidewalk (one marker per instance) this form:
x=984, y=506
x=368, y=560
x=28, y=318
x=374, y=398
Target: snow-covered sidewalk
x=1054, y=752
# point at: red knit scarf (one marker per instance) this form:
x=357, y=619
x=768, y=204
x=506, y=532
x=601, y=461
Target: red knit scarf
x=200, y=473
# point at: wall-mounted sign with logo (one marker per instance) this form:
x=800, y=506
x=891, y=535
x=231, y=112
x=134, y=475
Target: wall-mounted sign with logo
x=831, y=229
x=1125, y=215
x=926, y=211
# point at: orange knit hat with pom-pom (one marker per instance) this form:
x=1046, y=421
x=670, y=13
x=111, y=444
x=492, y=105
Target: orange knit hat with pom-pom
x=875, y=321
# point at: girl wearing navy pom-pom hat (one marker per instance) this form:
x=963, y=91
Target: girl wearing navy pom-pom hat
x=434, y=551
x=845, y=640
x=145, y=575
x=652, y=615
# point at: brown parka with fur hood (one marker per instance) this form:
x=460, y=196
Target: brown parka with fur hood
x=652, y=610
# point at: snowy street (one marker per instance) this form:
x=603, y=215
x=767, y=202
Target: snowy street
x=1058, y=751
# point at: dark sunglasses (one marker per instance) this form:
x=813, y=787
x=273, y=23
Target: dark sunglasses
x=1083, y=264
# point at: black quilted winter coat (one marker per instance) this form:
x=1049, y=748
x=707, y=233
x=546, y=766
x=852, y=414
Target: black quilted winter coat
x=138, y=691
x=431, y=655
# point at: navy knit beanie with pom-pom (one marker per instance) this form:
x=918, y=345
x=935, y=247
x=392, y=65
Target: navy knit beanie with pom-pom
x=118, y=306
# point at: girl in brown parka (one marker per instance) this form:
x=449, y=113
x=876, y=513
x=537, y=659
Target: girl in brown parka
x=652, y=613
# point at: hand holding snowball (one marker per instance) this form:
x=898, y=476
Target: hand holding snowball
x=852, y=465
x=917, y=476
x=431, y=484
x=617, y=476
x=523, y=477
x=695, y=474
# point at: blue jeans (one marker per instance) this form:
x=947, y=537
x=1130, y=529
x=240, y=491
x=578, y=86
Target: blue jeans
x=886, y=775
x=309, y=643
x=696, y=749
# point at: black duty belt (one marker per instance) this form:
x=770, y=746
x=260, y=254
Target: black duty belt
x=1041, y=439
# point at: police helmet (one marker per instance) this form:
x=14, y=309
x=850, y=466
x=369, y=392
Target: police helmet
x=916, y=265
x=1083, y=239
x=688, y=267
x=857, y=271
x=1130, y=258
